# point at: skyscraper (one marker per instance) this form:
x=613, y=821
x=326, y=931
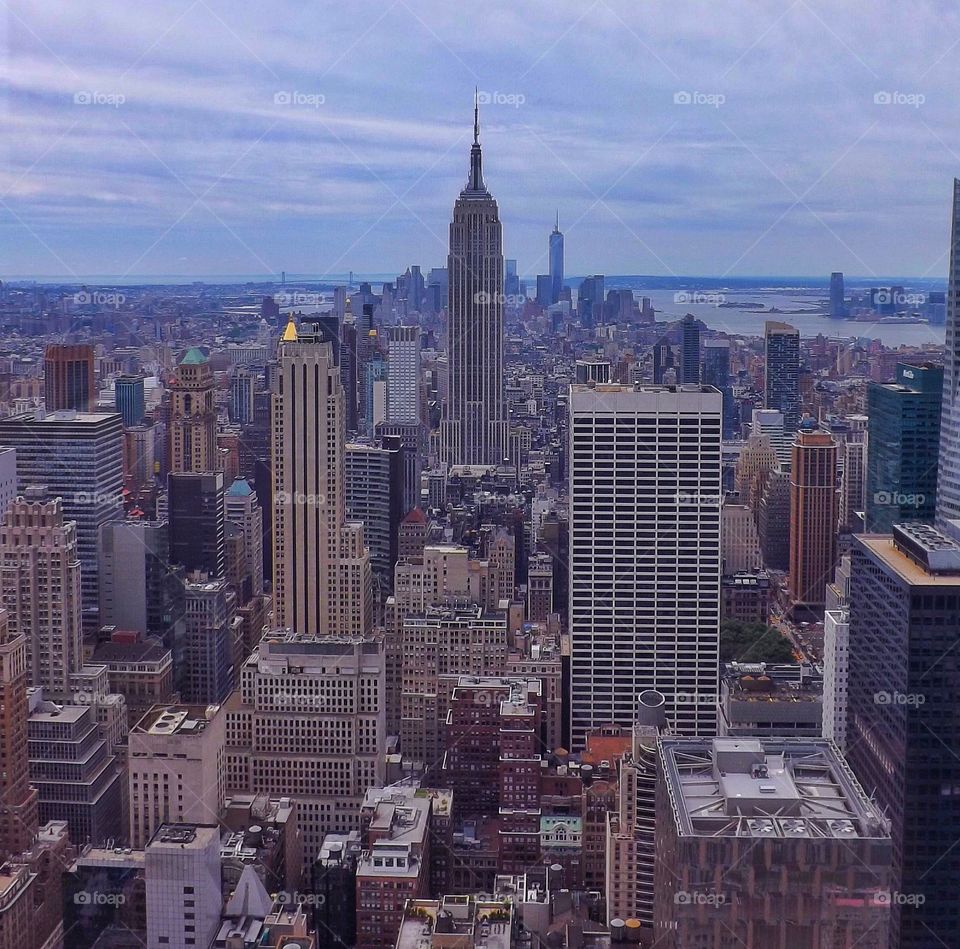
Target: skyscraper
x=689, y=350
x=782, y=373
x=403, y=375
x=662, y=359
x=716, y=373
x=556, y=261
x=644, y=554
x=321, y=569
x=68, y=378
x=475, y=428
x=129, y=395
x=79, y=457
x=196, y=515
x=40, y=589
x=838, y=308
x=902, y=722
x=948, y=477
x=193, y=416
x=813, y=518
x=903, y=447
x=18, y=800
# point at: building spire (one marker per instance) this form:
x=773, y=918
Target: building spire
x=476, y=173
x=556, y=226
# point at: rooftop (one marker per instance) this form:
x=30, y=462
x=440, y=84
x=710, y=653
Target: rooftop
x=175, y=720
x=778, y=788
x=883, y=548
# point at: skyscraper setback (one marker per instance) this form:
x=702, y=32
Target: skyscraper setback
x=475, y=429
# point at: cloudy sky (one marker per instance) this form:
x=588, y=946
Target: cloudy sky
x=202, y=137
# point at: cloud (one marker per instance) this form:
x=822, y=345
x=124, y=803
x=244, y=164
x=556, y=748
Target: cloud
x=686, y=139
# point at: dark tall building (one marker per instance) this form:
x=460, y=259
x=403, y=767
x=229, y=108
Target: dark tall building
x=689, y=350
x=348, y=370
x=590, y=298
x=716, y=373
x=556, y=261
x=662, y=359
x=814, y=516
x=838, y=309
x=196, y=521
x=773, y=521
x=902, y=721
x=782, y=373
x=130, y=400
x=68, y=378
x=903, y=447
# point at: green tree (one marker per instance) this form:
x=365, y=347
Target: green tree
x=753, y=642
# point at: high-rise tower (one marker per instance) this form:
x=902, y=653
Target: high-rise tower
x=782, y=372
x=556, y=261
x=644, y=554
x=475, y=427
x=193, y=416
x=321, y=568
x=18, y=800
x=948, y=470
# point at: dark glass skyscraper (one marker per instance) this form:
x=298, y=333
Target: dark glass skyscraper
x=689, y=350
x=782, y=374
x=838, y=309
x=129, y=395
x=474, y=431
x=716, y=373
x=902, y=721
x=196, y=516
x=948, y=478
x=903, y=447
x=556, y=262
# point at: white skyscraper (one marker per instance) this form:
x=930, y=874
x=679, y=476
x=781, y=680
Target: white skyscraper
x=644, y=553
x=182, y=870
x=403, y=375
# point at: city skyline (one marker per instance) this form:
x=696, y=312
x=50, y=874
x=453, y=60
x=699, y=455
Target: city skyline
x=233, y=181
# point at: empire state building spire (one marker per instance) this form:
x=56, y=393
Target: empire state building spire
x=476, y=159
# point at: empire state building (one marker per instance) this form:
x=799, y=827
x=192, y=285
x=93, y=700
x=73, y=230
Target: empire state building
x=474, y=431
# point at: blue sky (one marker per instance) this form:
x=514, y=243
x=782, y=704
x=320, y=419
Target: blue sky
x=204, y=137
